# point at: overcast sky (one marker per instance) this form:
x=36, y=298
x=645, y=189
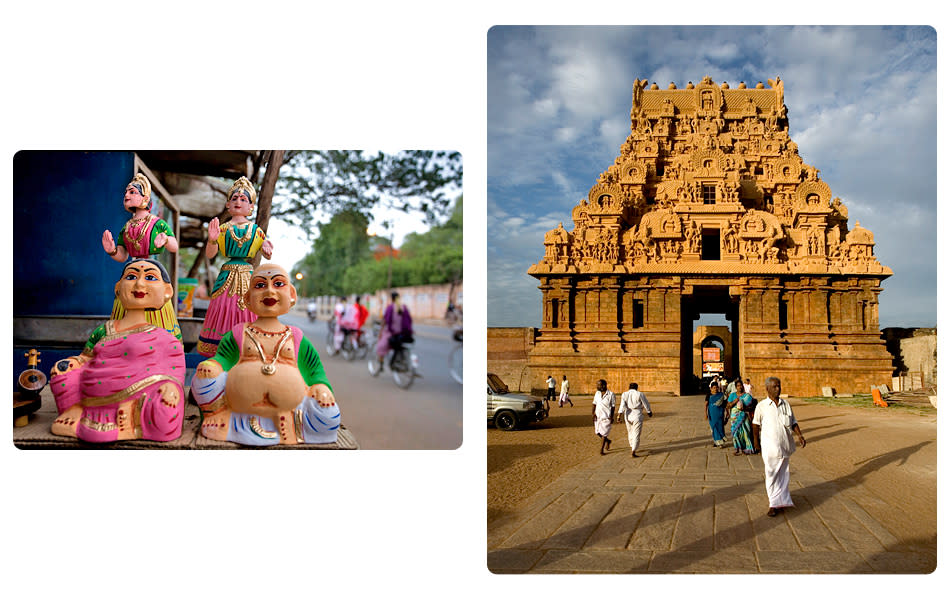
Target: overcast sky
x=862, y=107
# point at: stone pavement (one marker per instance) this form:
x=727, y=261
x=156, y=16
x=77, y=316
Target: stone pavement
x=688, y=507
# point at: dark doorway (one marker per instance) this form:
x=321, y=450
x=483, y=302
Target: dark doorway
x=710, y=245
x=712, y=306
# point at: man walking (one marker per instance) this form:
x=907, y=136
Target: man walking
x=772, y=425
x=550, y=396
x=632, y=403
x=565, y=394
x=603, y=413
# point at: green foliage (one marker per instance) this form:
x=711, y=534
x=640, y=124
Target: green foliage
x=342, y=243
x=436, y=256
x=341, y=261
x=332, y=181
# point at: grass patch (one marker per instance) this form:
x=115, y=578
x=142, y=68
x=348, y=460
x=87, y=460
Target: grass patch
x=865, y=401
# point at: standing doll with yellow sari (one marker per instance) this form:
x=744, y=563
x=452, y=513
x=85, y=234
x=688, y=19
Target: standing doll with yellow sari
x=239, y=240
x=141, y=237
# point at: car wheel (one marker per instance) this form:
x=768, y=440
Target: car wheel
x=506, y=420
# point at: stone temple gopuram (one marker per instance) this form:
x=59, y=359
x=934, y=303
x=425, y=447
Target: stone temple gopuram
x=710, y=209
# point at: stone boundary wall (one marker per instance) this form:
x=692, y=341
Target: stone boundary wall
x=426, y=302
x=915, y=355
x=508, y=349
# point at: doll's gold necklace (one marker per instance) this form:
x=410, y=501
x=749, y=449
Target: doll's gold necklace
x=269, y=368
x=248, y=233
x=141, y=234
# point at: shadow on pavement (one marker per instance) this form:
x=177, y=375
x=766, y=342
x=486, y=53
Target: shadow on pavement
x=740, y=535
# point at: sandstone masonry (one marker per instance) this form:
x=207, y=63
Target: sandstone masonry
x=710, y=209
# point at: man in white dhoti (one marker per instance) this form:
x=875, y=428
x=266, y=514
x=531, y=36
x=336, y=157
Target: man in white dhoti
x=603, y=413
x=565, y=394
x=632, y=404
x=772, y=427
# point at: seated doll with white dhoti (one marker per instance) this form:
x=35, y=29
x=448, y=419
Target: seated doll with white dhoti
x=128, y=381
x=266, y=385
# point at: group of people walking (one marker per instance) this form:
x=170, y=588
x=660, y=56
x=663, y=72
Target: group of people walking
x=757, y=427
x=736, y=404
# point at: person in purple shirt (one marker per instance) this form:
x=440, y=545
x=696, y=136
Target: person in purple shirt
x=396, y=330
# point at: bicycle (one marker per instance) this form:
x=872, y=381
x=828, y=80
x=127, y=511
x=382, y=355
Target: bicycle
x=331, y=330
x=403, y=363
x=455, y=357
x=354, y=345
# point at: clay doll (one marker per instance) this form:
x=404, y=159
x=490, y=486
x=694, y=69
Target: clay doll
x=128, y=382
x=142, y=236
x=266, y=384
x=239, y=240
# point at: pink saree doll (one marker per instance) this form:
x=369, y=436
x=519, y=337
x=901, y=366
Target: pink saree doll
x=142, y=236
x=266, y=385
x=128, y=382
x=239, y=240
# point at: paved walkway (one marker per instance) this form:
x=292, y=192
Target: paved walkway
x=688, y=507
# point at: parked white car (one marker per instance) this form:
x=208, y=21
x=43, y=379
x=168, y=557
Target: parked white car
x=509, y=411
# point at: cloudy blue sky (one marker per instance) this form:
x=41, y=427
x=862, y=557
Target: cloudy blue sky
x=862, y=107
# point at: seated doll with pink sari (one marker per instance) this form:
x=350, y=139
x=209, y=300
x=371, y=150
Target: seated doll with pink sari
x=266, y=384
x=128, y=382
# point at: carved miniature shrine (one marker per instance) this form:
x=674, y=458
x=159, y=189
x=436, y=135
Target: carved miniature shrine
x=710, y=209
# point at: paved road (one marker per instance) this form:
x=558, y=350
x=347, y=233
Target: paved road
x=427, y=416
x=688, y=507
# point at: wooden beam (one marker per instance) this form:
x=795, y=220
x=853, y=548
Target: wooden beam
x=157, y=184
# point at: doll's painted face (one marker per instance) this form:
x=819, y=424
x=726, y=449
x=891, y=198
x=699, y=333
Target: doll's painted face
x=271, y=293
x=134, y=199
x=141, y=286
x=239, y=204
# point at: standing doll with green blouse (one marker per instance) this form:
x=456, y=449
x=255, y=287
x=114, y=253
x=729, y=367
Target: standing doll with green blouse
x=142, y=236
x=239, y=240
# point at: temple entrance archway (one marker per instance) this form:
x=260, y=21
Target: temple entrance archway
x=708, y=301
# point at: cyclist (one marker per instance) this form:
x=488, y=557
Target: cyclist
x=349, y=321
x=362, y=313
x=396, y=329
x=338, y=310
x=312, y=310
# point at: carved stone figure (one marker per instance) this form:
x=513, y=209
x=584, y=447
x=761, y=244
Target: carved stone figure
x=693, y=237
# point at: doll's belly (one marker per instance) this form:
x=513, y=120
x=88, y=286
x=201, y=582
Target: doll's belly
x=250, y=391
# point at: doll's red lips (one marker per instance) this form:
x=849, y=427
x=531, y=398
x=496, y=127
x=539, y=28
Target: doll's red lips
x=138, y=294
x=269, y=301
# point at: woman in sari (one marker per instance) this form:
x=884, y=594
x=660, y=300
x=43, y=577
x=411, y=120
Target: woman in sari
x=142, y=236
x=741, y=410
x=715, y=414
x=128, y=382
x=239, y=240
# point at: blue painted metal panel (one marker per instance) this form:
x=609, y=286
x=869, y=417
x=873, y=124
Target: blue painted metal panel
x=62, y=202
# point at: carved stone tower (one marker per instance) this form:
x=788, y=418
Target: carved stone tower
x=710, y=209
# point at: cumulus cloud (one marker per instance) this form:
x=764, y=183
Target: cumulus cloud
x=861, y=103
